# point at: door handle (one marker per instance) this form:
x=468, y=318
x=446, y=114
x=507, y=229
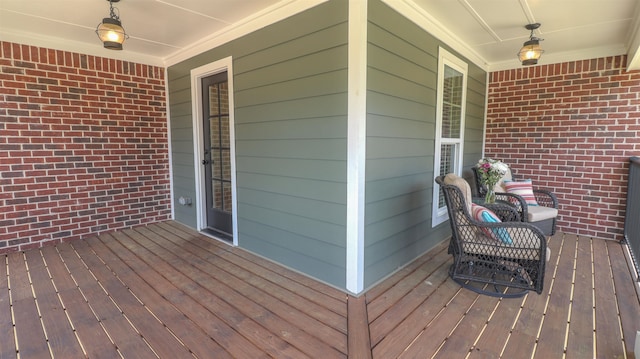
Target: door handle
x=204, y=162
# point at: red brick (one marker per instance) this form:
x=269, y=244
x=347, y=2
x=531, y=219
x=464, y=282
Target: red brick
x=50, y=93
x=582, y=158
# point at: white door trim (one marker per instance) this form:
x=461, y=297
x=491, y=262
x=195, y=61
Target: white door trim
x=196, y=102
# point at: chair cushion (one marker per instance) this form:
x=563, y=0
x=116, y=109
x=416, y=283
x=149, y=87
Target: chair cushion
x=500, y=187
x=540, y=213
x=523, y=189
x=453, y=179
x=482, y=214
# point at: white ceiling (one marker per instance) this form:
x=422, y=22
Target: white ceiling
x=490, y=32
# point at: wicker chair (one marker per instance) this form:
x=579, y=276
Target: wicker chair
x=543, y=215
x=484, y=263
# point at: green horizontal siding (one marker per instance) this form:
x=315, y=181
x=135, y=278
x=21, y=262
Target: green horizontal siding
x=401, y=121
x=290, y=96
x=290, y=106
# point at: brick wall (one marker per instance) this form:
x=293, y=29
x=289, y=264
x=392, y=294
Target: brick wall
x=83, y=146
x=570, y=127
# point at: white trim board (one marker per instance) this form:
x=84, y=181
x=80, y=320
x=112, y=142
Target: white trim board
x=197, y=74
x=427, y=22
x=356, y=144
x=169, y=146
x=264, y=18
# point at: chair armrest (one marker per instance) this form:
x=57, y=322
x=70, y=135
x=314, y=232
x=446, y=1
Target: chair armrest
x=517, y=201
x=546, y=198
x=543, y=197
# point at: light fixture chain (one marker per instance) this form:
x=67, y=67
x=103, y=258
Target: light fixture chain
x=112, y=11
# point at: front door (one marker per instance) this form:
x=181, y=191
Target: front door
x=217, y=155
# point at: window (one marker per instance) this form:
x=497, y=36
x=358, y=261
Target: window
x=449, y=137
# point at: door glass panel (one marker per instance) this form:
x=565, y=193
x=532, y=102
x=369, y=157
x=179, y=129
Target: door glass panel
x=215, y=132
x=217, y=195
x=224, y=134
x=216, y=168
x=214, y=105
x=227, y=196
x=223, y=89
x=226, y=164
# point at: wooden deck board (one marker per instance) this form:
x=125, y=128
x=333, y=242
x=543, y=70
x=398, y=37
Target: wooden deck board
x=395, y=279
x=461, y=341
x=327, y=305
x=524, y=334
x=626, y=296
x=359, y=341
x=60, y=336
x=30, y=337
x=162, y=341
x=7, y=338
x=154, y=290
x=525, y=331
x=283, y=319
x=423, y=286
x=438, y=330
x=580, y=336
x=313, y=290
x=554, y=328
x=608, y=333
x=90, y=333
x=401, y=336
x=501, y=321
x=165, y=289
x=283, y=297
x=114, y=322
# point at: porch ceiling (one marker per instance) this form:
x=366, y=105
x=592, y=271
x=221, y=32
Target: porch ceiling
x=489, y=31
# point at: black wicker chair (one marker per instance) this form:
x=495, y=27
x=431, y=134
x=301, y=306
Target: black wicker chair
x=487, y=265
x=543, y=216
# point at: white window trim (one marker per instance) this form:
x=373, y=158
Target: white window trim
x=197, y=75
x=439, y=215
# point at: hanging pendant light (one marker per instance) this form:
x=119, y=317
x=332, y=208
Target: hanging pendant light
x=110, y=30
x=531, y=50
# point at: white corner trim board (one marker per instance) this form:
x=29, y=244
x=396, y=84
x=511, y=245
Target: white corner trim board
x=356, y=144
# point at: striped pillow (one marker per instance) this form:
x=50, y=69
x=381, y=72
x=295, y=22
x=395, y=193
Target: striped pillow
x=523, y=189
x=482, y=214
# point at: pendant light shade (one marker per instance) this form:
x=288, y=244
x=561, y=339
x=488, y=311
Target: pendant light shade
x=110, y=30
x=531, y=50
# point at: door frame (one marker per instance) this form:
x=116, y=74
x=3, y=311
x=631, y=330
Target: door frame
x=197, y=75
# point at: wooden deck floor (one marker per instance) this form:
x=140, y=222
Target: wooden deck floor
x=165, y=291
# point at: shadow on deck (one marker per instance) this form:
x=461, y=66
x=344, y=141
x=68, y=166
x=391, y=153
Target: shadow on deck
x=165, y=291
